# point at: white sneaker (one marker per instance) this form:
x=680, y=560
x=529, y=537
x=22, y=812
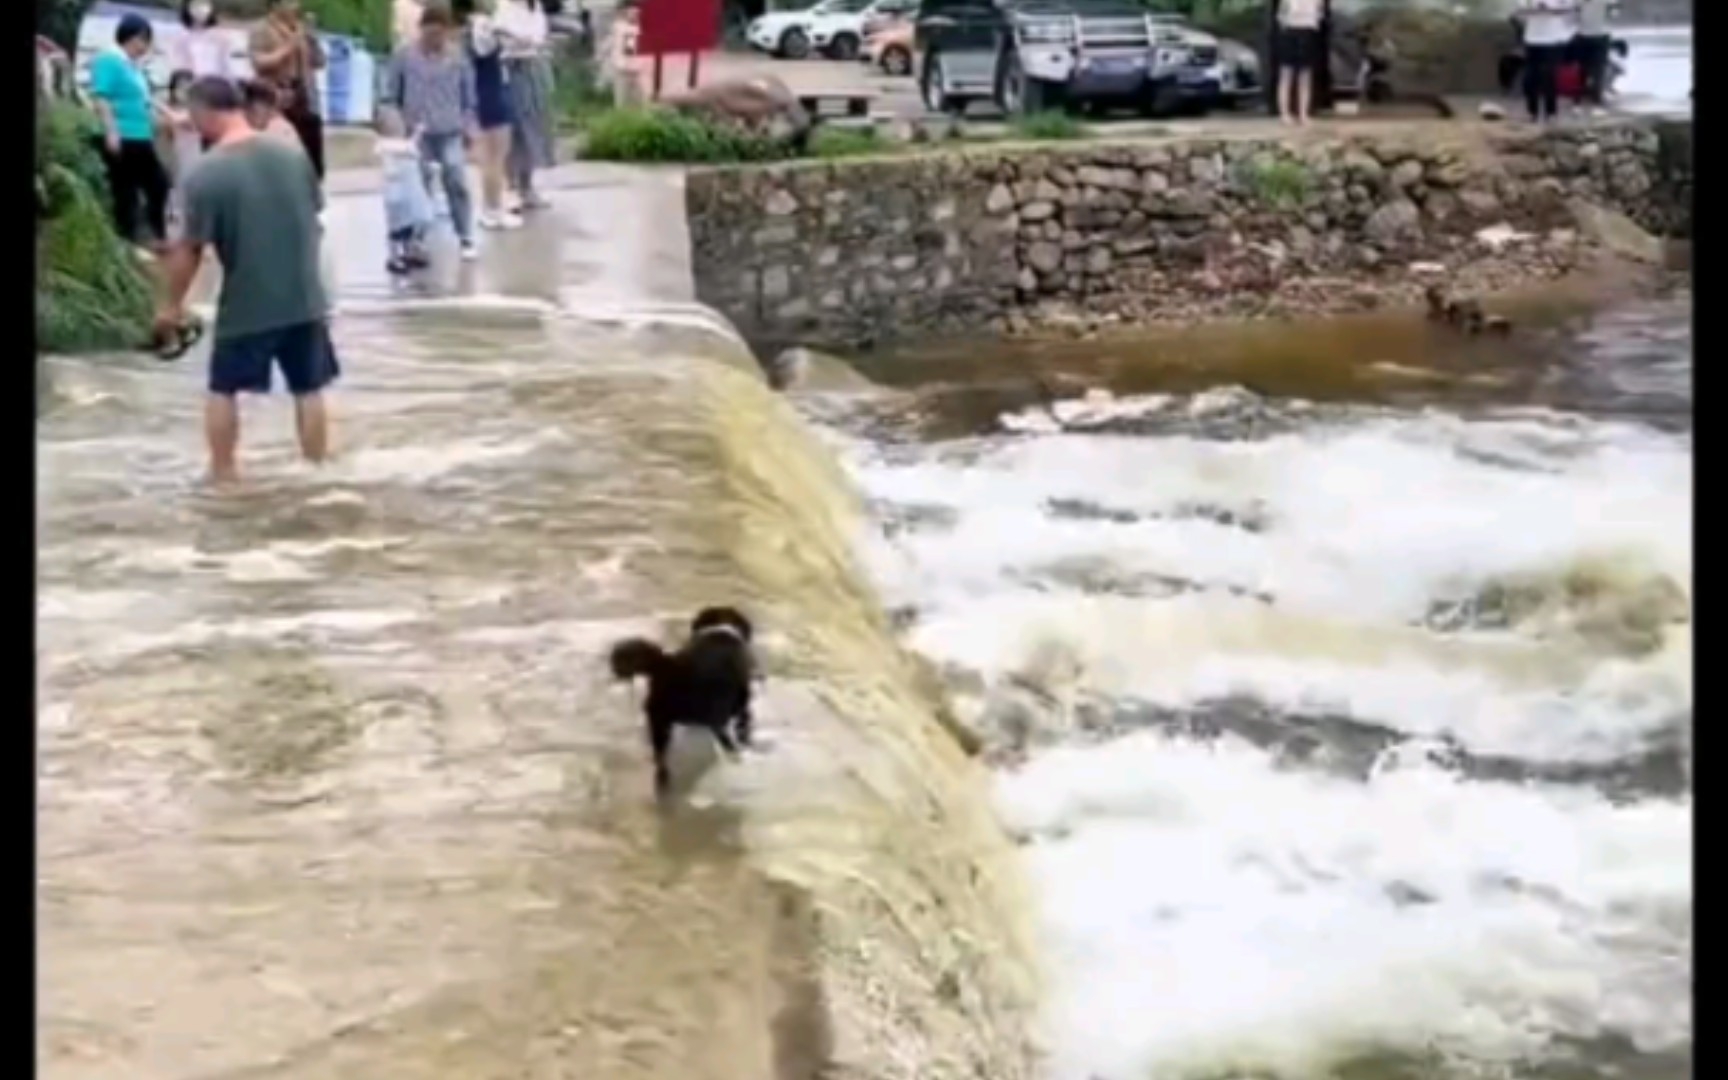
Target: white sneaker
x=469, y=251
x=503, y=220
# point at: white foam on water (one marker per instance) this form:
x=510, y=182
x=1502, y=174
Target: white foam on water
x=419, y=463
x=1212, y=912
x=1208, y=911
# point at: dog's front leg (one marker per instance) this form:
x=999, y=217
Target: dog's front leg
x=660, y=739
x=744, y=726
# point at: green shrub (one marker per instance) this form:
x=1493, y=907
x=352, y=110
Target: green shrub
x=1047, y=127
x=1281, y=183
x=653, y=135
x=91, y=291
x=840, y=142
x=368, y=20
x=66, y=135
x=578, y=92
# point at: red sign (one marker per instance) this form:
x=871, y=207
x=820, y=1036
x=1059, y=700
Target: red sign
x=677, y=26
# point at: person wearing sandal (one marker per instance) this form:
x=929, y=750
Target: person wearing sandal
x=523, y=35
x=493, y=114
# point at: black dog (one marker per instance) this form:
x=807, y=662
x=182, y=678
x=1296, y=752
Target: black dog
x=704, y=684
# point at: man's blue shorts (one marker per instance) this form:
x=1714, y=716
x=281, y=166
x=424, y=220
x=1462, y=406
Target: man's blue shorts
x=304, y=352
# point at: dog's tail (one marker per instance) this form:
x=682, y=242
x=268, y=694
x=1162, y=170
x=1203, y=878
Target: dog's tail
x=636, y=657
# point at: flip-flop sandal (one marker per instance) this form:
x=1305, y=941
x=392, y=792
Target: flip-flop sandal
x=398, y=265
x=186, y=335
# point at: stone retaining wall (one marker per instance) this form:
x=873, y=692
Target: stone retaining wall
x=857, y=252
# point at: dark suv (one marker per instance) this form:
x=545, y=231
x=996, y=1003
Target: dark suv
x=1031, y=55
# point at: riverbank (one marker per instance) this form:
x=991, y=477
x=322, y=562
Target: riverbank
x=1037, y=238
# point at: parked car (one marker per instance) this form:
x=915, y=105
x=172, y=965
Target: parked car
x=1029, y=56
x=886, y=13
x=835, y=28
x=890, y=49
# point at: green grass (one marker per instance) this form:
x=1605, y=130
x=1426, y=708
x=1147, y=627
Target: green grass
x=1280, y=184
x=843, y=142
x=1047, y=127
x=656, y=135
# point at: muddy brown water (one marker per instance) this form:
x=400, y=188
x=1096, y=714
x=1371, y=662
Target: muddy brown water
x=1626, y=358
x=332, y=783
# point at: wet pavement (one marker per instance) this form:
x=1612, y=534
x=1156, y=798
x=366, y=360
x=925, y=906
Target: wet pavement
x=613, y=236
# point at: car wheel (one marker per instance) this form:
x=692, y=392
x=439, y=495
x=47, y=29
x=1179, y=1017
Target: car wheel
x=1161, y=100
x=930, y=86
x=897, y=61
x=843, y=47
x=1018, y=94
x=795, y=44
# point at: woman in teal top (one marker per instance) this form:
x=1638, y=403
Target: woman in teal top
x=121, y=92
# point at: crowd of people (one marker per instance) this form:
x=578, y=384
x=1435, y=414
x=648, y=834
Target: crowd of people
x=477, y=77
x=244, y=179
x=467, y=79
x=474, y=77
x=1564, y=42
x=281, y=95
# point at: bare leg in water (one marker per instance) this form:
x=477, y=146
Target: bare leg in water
x=312, y=425
x=222, y=433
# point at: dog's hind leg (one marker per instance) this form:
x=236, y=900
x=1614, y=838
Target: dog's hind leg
x=724, y=737
x=660, y=739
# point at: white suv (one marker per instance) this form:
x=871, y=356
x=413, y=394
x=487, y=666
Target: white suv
x=835, y=28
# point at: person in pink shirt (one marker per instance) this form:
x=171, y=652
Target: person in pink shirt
x=204, y=49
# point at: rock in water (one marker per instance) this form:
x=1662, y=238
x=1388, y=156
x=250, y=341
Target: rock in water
x=1617, y=233
x=810, y=371
x=762, y=106
x=788, y=368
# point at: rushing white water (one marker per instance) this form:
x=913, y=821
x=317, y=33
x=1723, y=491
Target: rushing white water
x=1216, y=906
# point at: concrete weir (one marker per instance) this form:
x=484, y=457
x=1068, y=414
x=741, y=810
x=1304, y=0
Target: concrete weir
x=333, y=782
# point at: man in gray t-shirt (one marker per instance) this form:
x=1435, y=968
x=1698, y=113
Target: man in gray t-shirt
x=256, y=200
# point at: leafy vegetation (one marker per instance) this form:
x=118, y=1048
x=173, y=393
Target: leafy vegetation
x=368, y=20
x=67, y=135
x=1280, y=183
x=658, y=135
x=578, y=92
x=57, y=20
x=91, y=290
x=1047, y=127
x=840, y=142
